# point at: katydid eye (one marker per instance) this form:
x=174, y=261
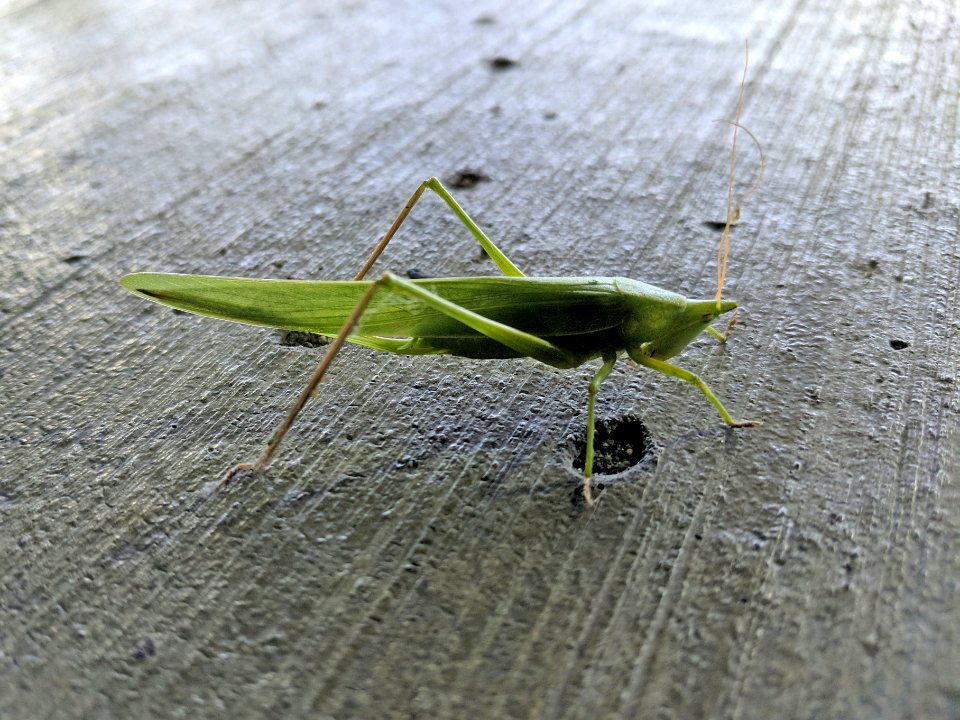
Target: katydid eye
x=707, y=317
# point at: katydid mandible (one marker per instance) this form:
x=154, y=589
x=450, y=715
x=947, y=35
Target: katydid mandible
x=560, y=321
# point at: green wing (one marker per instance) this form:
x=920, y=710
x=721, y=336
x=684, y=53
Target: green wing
x=546, y=307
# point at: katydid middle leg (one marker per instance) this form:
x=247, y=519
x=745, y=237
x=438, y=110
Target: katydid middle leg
x=609, y=359
x=523, y=342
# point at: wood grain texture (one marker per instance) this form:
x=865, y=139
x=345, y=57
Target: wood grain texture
x=414, y=551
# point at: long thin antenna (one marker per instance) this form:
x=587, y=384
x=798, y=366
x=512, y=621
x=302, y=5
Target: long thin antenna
x=733, y=210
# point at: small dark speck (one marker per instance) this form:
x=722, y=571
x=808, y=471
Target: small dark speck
x=319, y=104
x=467, y=178
x=501, y=63
x=298, y=338
x=549, y=115
x=74, y=258
x=718, y=225
x=485, y=20
x=899, y=344
x=177, y=311
x=144, y=650
x=418, y=274
x=407, y=462
x=873, y=263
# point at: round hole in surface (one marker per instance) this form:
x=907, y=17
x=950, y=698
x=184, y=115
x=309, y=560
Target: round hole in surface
x=618, y=444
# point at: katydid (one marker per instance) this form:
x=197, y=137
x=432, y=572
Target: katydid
x=561, y=321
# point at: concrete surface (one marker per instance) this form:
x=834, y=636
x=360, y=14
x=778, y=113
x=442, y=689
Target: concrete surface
x=414, y=551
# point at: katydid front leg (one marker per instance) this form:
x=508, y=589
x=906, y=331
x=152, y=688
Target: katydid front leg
x=687, y=376
x=722, y=336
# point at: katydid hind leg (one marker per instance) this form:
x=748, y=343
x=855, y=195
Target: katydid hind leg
x=495, y=254
x=517, y=340
x=391, y=231
x=687, y=376
x=609, y=360
x=520, y=341
x=308, y=391
x=523, y=342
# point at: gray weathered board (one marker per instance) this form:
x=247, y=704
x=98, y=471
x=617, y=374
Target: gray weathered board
x=414, y=551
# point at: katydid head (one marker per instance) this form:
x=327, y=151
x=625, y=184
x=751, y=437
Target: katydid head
x=685, y=324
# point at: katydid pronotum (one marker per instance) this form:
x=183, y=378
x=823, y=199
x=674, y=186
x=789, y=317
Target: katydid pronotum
x=561, y=321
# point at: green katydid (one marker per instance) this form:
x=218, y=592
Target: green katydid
x=561, y=321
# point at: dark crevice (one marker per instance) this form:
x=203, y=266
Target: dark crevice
x=619, y=444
